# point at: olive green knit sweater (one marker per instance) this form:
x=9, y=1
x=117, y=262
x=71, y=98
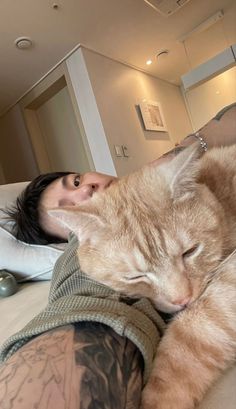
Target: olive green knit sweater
x=74, y=297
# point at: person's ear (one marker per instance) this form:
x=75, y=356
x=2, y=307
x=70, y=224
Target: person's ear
x=84, y=223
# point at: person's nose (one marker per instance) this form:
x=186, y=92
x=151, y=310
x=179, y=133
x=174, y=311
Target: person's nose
x=84, y=192
x=97, y=181
x=100, y=185
x=91, y=183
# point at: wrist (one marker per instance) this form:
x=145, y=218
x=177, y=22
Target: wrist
x=202, y=141
x=194, y=137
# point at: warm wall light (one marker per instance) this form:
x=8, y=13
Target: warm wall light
x=148, y=62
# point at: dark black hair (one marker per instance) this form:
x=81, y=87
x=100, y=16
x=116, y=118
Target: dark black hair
x=25, y=212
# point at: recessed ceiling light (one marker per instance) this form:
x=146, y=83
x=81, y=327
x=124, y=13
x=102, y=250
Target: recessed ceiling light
x=23, y=43
x=148, y=62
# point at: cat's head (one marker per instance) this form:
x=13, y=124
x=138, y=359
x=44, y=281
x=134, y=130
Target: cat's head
x=155, y=233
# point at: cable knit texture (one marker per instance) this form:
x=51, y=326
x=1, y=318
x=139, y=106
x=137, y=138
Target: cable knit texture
x=74, y=297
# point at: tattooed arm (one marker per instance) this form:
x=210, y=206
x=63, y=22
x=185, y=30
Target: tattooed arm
x=81, y=366
x=220, y=131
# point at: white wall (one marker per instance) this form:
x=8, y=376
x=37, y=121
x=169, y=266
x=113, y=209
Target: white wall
x=118, y=89
x=61, y=134
x=82, y=94
x=16, y=155
x=205, y=100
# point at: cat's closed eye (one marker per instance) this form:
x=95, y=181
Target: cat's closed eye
x=135, y=277
x=191, y=251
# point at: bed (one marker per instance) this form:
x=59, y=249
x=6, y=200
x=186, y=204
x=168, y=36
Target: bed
x=32, y=266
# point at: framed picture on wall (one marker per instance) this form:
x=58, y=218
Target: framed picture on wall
x=152, y=116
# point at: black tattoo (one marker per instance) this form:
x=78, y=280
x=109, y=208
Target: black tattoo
x=81, y=366
x=112, y=365
x=36, y=365
x=222, y=112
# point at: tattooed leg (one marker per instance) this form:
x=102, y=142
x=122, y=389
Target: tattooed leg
x=86, y=366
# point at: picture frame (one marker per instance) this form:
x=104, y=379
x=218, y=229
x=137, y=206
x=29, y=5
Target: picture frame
x=152, y=115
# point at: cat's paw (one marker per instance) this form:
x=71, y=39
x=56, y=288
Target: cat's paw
x=152, y=400
x=149, y=397
x=159, y=395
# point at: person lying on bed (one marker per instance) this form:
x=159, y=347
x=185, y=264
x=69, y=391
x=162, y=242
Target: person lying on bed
x=79, y=352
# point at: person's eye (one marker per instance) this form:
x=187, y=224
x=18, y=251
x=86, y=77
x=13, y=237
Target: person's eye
x=191, y=251
x=77, y=181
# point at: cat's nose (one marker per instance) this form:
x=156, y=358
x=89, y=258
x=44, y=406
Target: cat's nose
x=182, y=302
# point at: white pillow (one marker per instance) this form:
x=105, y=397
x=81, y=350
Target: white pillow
x=25, y=261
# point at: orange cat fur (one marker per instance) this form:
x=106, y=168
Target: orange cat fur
x=167, y=233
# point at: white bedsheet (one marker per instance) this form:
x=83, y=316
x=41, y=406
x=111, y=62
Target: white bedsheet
x=20, y=308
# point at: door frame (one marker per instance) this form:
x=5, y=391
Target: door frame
x=41, y=93
x=73, y=72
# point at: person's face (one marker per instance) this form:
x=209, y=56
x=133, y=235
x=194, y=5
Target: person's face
x=69, y=190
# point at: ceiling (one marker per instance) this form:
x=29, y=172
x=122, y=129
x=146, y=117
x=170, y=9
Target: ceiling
x=126, y=30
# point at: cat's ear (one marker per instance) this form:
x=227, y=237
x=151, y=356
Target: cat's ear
x=84, y=223
x=181, y=172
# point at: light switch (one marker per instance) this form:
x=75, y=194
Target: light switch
x=125, y=151
x=118, y=150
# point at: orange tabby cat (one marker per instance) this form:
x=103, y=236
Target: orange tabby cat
x=166, y=232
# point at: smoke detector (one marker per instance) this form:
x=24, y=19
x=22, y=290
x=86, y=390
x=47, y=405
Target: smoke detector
x=162, y=54
x=23, y=43
x=166, y=7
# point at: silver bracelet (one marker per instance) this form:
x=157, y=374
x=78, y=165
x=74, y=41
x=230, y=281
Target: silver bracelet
x=201, y=140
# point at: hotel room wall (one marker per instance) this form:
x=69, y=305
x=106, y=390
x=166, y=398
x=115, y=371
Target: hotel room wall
x=58, y=130
x=16, y=155
x=118, y=89
x=205, y=100
x=61, y=134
